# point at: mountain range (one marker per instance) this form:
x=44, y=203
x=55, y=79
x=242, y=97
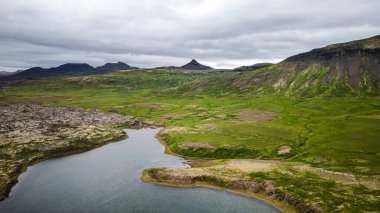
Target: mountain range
x=85, y=69
x=337, y=69
x=66, y=70
x=192, y=65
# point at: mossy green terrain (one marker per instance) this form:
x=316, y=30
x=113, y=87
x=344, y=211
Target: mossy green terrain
x=216, y=115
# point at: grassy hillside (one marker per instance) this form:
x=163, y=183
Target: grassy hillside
x=281, y=80
x=349, y=69
x=216, y=115
x=310, y=126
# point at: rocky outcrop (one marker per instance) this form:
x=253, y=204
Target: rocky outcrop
x=29, y=133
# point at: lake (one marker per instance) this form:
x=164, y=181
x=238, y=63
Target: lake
x=107, y=179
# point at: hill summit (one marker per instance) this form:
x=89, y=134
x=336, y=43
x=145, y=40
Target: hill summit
x=115, y=66
x=195, y=65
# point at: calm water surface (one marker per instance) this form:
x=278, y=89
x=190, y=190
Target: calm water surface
x=107, y=179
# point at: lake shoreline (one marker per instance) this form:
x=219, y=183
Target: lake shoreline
x=266, y=199
x=34, y=133
x=68, y=172
x=7, y=189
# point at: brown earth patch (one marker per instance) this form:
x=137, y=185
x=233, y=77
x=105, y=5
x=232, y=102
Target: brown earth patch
x=248, y=115
x=144, y=105
x=207, y=126
x=175, y=116
x=176, y=129
x=191, y=106
x=196, y=145
x=37, y=101
x=345, y=178
x=284, y=150
x=340, y=177
x=159, y=122
x=248, y=165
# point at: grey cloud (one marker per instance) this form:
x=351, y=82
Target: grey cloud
x=150, y=33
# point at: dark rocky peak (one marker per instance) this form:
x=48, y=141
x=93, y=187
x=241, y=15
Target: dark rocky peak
x=195, y=65
x=194, y=62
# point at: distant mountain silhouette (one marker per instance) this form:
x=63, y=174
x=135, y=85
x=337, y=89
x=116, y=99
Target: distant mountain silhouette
x=34, y=72
x=62, y=70
x=115, y=66
x=71, y=68
x=195, y=65
x=68, y=69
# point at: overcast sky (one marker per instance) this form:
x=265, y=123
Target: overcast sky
x=149, y=33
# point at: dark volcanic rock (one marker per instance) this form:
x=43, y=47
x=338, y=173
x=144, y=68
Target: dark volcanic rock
x=352, y=61
x=359, y=48
x=194, y=65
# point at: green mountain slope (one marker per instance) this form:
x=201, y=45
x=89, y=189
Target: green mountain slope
x=346, y=69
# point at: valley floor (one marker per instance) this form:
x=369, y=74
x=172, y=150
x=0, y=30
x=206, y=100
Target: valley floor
x=319, y=153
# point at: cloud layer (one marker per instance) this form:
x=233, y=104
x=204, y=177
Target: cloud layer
x=148, y=33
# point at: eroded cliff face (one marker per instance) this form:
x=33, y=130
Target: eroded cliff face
x=356, y=63
x=29, y=133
